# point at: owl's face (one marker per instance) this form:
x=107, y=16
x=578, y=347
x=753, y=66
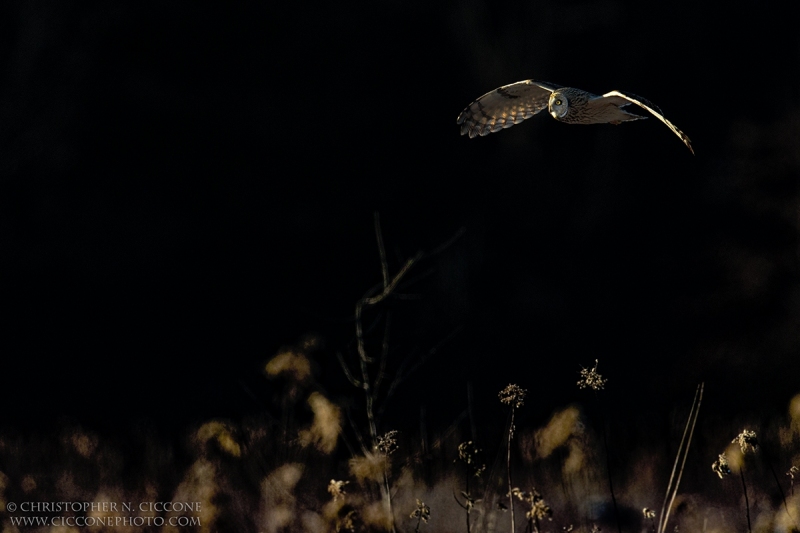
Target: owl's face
x=558, y=105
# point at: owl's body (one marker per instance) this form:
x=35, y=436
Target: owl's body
x=587, y=108
x=511, y=104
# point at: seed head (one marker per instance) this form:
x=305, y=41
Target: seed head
x=539, y=509
x=336, y=488
x=591, y=379
x=387, y=444
x=720, y=466
x=347, y=522
x=422, y=511
x=513, y=395
x=747, y=441
x=468, y=453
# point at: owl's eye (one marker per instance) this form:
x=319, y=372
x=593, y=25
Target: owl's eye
x=558, y=102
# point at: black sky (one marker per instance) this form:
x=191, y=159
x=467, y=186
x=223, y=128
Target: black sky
x=184, y=188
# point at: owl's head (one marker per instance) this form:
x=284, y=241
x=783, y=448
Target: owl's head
x=558, y=105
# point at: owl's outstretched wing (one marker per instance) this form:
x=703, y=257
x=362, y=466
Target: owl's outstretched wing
x=504, y=107
x=621, y=99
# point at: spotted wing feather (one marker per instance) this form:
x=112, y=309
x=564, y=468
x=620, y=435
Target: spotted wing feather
x=622, y=99
x=504, y=107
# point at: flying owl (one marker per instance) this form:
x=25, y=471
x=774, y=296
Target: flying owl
x=511, y=104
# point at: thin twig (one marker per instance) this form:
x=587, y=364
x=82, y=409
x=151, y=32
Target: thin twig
x=472, y=426
x=493, y=480
x=780, y=489
x=360, y=440
x=346, y=371
x=388, y=490
x=384, y=354
x=508, y=469
x=469, y=503
x=746, y=500
x=458, y=234
x=381, y=249
x=402, y=375
x=433, y=351
x=693, y=413
x=457, y=501
x=608, y=463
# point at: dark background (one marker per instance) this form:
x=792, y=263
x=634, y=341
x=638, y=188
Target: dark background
x=185, y=188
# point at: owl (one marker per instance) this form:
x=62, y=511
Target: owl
x=511, y=104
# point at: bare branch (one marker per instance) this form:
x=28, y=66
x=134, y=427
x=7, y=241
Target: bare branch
x=442, y=247
x=360, y=440
x=373, y=297
x=458, y=502
x=346, y=371
x=402, y=375
x=418, y=276
x=387, y=290
x=384, y=355
x=362, y=352
x=381, y=249
x=368, y=301
x=403, y=296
